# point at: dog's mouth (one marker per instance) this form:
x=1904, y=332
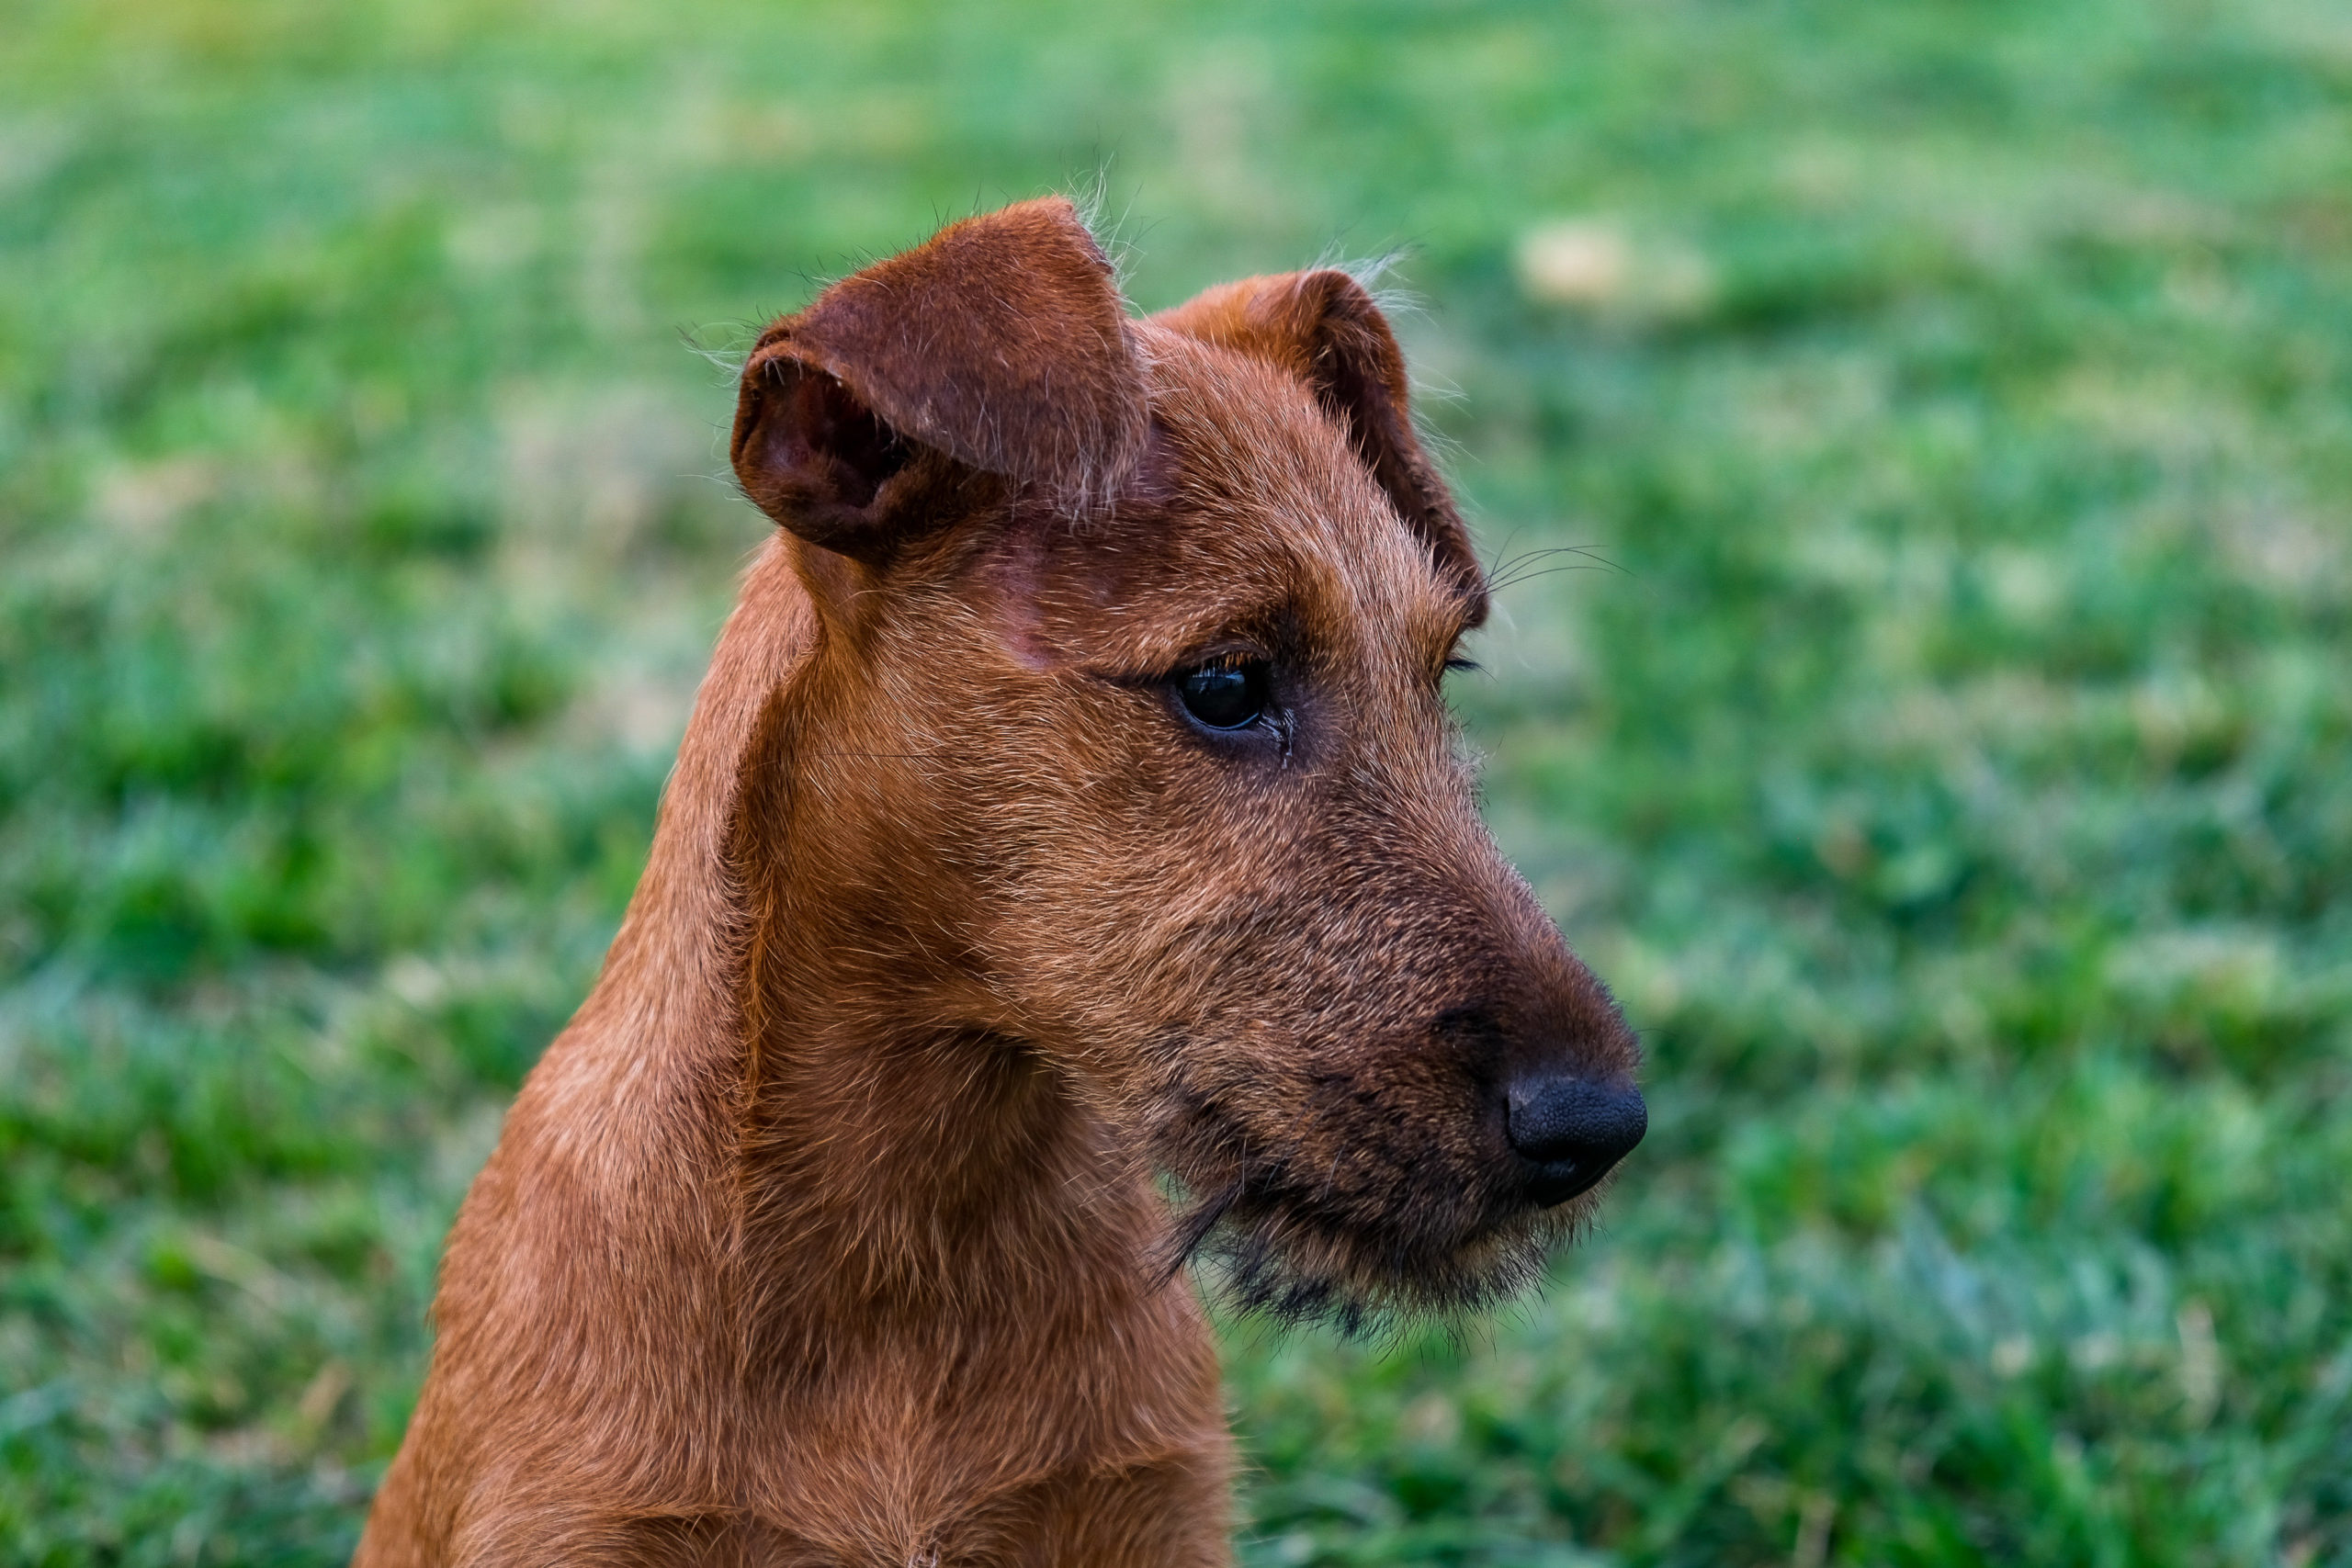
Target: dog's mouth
x=1274, y=1254
x=1401, y=1238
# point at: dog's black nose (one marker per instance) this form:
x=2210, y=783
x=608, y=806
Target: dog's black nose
x=1572, y=1130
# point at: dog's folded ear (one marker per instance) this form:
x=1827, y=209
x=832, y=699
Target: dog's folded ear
x=1001, y=345
x=1324, y=328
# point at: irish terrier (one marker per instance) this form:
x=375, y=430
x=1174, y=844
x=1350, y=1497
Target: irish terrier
x=1071, y=802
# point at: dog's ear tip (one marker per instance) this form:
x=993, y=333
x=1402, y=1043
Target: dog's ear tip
x=1324, y=327
x=1331, y=283
x=1053, y=204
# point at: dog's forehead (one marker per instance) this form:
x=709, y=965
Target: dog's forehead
x=1251, y=512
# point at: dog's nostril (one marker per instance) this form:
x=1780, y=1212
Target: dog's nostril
x=1573, y=1130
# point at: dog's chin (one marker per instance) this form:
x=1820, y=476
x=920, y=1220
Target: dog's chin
x=1297, y=1264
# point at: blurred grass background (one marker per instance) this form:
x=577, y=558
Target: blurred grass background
x=1954, y=774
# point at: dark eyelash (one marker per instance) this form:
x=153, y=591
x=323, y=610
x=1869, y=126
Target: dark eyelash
x=1458, y=662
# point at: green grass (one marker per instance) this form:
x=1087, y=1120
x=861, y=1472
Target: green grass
x=1953, y=773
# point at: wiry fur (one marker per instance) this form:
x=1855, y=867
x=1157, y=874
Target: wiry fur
x=828, y=1232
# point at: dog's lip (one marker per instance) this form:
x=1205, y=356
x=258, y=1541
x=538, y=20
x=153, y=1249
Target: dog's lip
x=1553, y=1182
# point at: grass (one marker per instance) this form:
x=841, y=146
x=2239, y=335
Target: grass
x=1951, y=771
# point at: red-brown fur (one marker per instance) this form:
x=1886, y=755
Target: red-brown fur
x=828, y=1233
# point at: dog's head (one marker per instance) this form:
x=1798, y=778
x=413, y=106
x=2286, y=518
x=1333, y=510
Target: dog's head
x=1128, y=715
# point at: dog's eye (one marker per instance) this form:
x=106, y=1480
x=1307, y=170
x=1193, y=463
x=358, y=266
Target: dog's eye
x=1224, y=696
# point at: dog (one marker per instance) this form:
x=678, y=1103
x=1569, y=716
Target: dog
x=1071, y=808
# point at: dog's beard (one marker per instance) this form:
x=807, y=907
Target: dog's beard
x=1270, y=1243
x=1266, y=1263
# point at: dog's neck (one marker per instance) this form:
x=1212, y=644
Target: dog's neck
x=885, y=1151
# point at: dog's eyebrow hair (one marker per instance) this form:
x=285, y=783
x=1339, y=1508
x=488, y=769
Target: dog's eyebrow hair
x=1269, y=623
